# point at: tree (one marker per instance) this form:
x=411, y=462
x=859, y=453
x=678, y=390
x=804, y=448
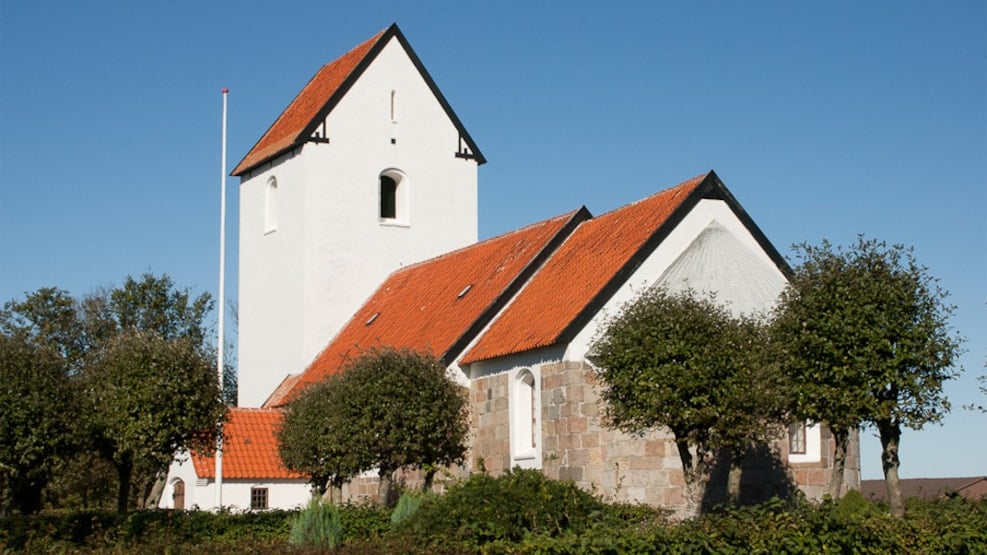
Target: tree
x=40, y=349
x=387, y=409
x=865, y=335
x=38, y=410
x=151, y=397
x=147, y=320
x=685, y=363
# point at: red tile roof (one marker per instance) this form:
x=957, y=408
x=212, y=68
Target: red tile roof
x=250, y=450
x=580, y=275
x=287, y=131
x=282, y=390
x=440, y=304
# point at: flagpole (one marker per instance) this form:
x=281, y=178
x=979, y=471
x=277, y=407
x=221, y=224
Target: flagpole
x=222, y=303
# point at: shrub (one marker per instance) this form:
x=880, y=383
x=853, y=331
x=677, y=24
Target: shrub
x=408, y=504
x=364, y=522
x=318, y=525
x=518, y=503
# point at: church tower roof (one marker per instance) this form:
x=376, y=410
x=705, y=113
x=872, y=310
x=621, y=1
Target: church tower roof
x=322, y=93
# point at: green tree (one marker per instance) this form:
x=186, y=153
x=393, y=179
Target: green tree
x=684, y=362
x=865, y=335
x=38, y=410
x=387, y=409
x=151, y=397
x=41, y=346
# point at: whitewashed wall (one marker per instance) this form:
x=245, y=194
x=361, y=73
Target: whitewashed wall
x=201, y=494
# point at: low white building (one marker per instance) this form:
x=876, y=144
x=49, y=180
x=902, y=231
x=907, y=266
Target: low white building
x=253, y=476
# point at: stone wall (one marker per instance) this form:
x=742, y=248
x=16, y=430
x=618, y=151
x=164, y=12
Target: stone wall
x=577, y=446
x=490, y=424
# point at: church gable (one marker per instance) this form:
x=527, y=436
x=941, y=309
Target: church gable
x=304, y=120
x=604, y=254
x=600, y=252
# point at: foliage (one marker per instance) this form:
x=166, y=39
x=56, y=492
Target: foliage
x=850, y=525
x=151, y=397
x=408, y=504
x=363, y=522
x=318, y=525
x=387, y=409
x=49, y=318
x=864, y=333
x=113, y=371
x=684, y=362
x=484, y=509
x=38, y=410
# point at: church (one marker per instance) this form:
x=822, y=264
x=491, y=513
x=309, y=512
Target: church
x=358, y=228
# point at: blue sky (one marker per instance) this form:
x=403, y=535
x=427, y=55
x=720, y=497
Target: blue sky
x=825, y=121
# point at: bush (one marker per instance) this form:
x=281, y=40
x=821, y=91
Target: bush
x=364, y=522
x=518, y=503
x=318, y=525
x=408, y=504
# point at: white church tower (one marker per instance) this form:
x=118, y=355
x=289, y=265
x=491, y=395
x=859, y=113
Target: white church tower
x=368, y=169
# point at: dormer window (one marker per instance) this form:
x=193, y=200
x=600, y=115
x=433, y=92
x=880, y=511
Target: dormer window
x=393, y=197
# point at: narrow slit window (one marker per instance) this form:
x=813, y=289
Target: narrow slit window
x=394, y=112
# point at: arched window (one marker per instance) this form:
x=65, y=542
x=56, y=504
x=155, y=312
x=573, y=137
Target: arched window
x=388, y=198
x=525, y=428
x=271, y=205
x=393, y=197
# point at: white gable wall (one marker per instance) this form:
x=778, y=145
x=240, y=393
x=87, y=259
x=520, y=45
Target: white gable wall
x=706, y=213
x=302, y=282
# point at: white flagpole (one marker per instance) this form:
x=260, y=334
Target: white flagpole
x=221, y=301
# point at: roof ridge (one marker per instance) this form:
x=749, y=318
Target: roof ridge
x=504, y=235
x=684, y=184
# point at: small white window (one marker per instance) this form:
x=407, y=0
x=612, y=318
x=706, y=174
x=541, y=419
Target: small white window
x=271, y=205
x=525, y=408
x=394, y=108
x=796, y=439
x=258, y=499
x=804, y=443
x=393, y=197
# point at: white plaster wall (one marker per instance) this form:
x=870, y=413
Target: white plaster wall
x=281, y=494
x=301, y=283
x=705, y=212
x=271, y=300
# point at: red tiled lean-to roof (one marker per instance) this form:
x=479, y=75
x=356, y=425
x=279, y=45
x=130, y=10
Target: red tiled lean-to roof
x=440, y=304
x=250, y=448
x=287, y=130
x=598, y=252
